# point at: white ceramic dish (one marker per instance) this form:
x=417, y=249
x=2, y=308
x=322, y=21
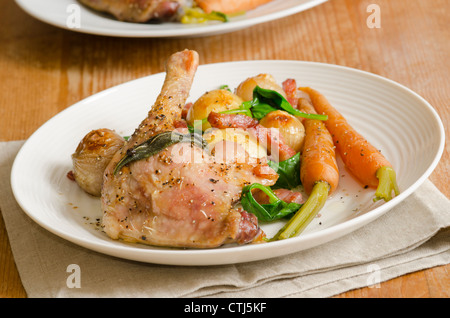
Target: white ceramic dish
x=67, y=13
x=392, y=117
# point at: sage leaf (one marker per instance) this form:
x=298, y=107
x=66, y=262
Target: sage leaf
x=158, y=143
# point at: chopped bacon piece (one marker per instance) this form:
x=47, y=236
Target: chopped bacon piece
x=265, y=171
x=290, y=88
x=185, y=110
x=180, y=124
x=223, y=121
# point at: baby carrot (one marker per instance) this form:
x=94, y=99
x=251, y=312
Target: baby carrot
x=318, y=172
x=360, y=157
x=318, y=153
x=230, y=6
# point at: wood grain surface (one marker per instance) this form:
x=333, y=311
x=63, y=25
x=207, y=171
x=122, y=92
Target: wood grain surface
x=45, y=69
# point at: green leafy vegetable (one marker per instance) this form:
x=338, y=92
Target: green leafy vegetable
x=266, y=101
x=197, y=15
x=191, y=129
x=276, y=209
x=288, y=171
x=156, y=144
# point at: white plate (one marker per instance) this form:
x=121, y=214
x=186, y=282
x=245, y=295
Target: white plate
x=67, y=13
x=392, y=117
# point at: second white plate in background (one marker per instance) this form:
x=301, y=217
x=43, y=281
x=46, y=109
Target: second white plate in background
x=60, y=14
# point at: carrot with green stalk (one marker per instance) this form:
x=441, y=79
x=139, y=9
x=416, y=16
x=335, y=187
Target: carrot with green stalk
x=318, y=172
x=360, y=157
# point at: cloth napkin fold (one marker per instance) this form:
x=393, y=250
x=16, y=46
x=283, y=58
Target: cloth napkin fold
x=412, y=236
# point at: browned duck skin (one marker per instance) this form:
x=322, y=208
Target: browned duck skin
x=168, y=199
x=137, y=10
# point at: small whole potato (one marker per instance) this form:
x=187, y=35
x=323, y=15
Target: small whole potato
x=238, y=136
x=213, y=101
x=91, y=157
x=290, y=128
x=266, y=81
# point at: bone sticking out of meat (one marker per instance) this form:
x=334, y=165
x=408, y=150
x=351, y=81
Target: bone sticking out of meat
x=168, y=199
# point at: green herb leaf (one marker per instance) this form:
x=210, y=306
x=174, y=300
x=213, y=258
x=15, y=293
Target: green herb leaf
x=156, y=144
x=288, y=171
x=275, y=210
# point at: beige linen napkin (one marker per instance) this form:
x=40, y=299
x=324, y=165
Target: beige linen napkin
x=412, y=236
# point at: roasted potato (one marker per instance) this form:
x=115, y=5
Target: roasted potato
x=266, y=81
x=216, y=100
x=234, y=144
x=290, y=128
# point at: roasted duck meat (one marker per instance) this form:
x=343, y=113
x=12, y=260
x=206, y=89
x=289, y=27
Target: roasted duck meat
x=180, y=196
x=166, y=10
x=137, y=10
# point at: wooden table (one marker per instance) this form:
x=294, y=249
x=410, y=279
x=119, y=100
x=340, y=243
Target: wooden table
x=45, y=69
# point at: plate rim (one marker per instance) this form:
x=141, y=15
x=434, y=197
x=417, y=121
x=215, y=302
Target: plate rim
x=186, y=32
x=169, y=256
